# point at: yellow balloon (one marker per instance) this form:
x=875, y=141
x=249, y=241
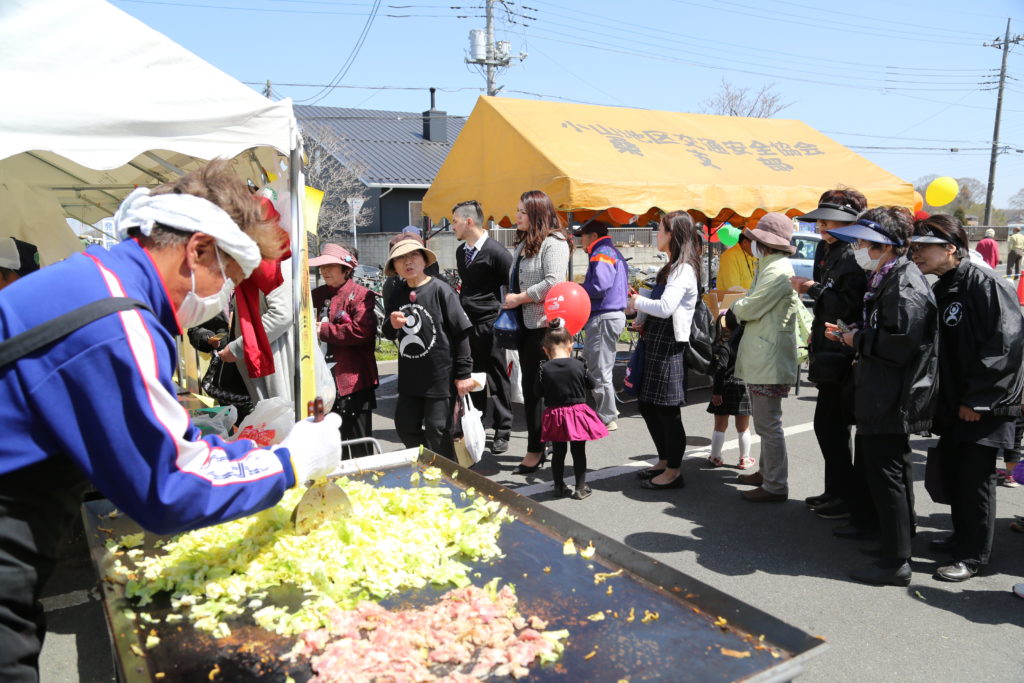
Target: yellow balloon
x=941, y=191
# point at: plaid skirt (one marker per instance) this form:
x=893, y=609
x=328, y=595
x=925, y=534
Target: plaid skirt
x=735, y=400
x=664, y=380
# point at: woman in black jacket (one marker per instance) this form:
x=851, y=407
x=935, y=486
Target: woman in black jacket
x=894, y=374
x=980, y=386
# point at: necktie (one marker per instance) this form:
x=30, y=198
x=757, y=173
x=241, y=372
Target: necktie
x=470, y=254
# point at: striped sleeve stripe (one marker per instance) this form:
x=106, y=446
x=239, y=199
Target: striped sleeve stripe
x=192, y=457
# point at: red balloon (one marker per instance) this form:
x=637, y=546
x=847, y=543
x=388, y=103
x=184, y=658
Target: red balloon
x=570, y=302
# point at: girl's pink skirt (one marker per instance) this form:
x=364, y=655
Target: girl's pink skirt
x=571, y=423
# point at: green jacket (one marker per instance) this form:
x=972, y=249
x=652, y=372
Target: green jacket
x=768, y=353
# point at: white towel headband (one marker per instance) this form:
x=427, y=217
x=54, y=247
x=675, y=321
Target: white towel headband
x=189, y=213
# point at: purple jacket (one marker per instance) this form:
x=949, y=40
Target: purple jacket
x=607, y=280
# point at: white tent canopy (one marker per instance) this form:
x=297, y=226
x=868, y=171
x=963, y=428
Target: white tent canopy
x=96, y=102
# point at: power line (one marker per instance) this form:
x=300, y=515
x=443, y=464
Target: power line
x=351, y=57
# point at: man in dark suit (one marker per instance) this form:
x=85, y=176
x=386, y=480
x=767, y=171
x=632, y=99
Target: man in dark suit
x=483, y=266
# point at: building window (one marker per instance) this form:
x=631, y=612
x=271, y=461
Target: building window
x=416, y=213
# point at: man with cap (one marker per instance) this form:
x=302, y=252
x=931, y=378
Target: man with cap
x=97, y=398
x=838, y=291
x=347, y=323
x=17, y=259
x=426, y=321
x=483, y=265
x=607, y=284
x=1014, y=252
x=989, y=248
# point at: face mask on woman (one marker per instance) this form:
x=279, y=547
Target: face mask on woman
x=864, y=259
x=196, y=309
x=755, y=250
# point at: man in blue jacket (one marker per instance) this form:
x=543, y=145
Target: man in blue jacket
x=607, y=283
x=99, y=403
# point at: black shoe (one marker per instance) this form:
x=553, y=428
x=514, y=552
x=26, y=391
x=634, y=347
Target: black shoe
x=942, y=545
x=523, y=469
x=562, y=491
x=499, y=445
x=647, y=474
x=581, y=493
x=958, y=571
x=676, y=483
x=815, y=501
x=835, y=509
x=881, y=575
x=854, y=532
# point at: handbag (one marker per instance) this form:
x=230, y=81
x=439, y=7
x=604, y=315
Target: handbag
x=700, y=349
x=508, y=329
x=934, y=480
x=635, y=370
x=469, y=447
x=804, y=320
x=213, y=385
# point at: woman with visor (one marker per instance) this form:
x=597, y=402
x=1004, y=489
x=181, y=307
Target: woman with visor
x=980, y=387
x=894, y=374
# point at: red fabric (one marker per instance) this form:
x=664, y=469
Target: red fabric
x=989, y=251
x=259, y=358
x=350, y=332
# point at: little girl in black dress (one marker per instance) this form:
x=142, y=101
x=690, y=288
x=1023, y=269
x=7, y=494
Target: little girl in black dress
x=729, y=394
x=568, y=422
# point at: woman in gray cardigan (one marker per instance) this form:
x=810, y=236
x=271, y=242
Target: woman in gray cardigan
x=540, y=260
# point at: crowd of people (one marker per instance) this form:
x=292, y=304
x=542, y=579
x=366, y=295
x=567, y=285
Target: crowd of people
x=892, y=355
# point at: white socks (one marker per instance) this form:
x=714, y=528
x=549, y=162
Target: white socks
x=744, y=438
x=717, y=441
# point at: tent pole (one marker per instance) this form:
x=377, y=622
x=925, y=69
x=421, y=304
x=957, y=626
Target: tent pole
x=296, y=191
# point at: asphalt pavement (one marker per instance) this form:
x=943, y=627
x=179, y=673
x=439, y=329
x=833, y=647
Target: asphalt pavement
x=778, y=557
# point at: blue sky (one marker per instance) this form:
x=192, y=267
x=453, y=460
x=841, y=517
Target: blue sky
x=908, y=77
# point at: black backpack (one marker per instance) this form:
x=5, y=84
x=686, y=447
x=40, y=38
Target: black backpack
x=702, y=337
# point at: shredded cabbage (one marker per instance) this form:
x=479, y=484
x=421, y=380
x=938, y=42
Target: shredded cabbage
x=395, y=539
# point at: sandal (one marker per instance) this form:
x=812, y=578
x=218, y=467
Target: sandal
x=715, y=461
x=746, y=463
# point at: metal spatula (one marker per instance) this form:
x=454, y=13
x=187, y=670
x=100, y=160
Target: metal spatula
x=322, y=501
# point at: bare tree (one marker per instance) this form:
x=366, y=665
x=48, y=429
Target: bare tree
x=972, y=191
x=1017, y=200
x=922, y=183
x=338, y=180
x=732, y=100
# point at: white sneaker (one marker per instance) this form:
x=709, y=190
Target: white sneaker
x=612, y=426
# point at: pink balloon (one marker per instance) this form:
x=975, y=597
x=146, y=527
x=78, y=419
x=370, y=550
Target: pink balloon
x=570, y=302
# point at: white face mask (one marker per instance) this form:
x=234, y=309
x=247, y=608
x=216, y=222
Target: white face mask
x=755, y=250
x=864, y=259
x=195, y=310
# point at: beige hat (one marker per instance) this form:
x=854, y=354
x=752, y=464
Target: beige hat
x=407, y=246
x=990, y=233
x=773, y=230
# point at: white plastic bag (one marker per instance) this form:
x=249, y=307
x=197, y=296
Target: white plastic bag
x=474, y=438
x=269, y=422
x=218, y=420
x=325, y=386
x=515, y=376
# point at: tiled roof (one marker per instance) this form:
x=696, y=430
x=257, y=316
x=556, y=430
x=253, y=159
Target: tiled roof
x=386, y=147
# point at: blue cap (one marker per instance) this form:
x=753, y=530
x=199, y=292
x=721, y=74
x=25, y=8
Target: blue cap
x=412, y=229
x=866, y=230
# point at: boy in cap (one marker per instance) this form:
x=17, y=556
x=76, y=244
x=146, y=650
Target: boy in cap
x=432, y=332
x=17, y=259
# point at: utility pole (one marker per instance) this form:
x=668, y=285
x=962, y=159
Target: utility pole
x=267, y=90
x=487, y=53
x=1004, y=45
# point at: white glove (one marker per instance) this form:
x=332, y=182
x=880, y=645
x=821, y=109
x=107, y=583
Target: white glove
x=315, y=447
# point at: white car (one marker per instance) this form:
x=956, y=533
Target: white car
x=806, y=244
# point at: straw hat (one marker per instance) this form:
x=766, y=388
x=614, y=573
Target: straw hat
x=407, y=246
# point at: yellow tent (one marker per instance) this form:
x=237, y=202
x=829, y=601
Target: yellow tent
x=595, y=158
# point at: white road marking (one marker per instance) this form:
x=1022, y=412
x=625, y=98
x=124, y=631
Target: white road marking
x=703, y=451
x=65, y=600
